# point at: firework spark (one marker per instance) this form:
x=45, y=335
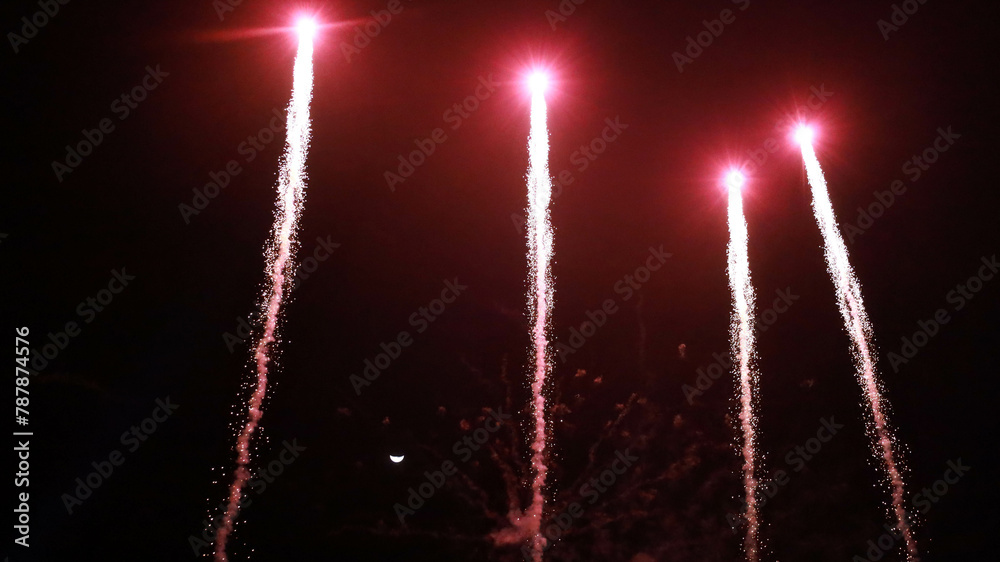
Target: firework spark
x=742, y=341
x=852, y=310
x=540, y=297
x=279, y=254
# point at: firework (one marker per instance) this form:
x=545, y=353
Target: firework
x=280, y=266
x=852, y=310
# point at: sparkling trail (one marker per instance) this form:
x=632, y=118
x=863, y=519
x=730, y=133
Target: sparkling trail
x=539, y=258
x=291, y=191
x=742, y=341
x=852, y=310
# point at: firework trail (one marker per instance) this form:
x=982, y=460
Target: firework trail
x=742, y=341
x=291, y=190
x=852, y=310
x=539, y=258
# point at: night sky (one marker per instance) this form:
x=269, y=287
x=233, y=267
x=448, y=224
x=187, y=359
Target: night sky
x=144, y=285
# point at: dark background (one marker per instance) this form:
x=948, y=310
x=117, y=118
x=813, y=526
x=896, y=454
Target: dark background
x=658, y=184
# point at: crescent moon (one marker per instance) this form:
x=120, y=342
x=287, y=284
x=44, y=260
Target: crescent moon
x=396, y=459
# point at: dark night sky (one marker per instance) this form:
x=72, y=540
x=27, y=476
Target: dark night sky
x=656, y=185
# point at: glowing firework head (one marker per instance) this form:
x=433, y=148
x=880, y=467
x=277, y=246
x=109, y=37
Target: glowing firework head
x=538, y=82
x=306, y=28
x=735, y=179
x=803, y=134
